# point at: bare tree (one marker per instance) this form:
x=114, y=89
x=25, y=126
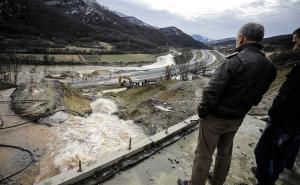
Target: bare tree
x=9, y=73
x=198, y=66
x=16, y=72
x=46, y=58
x=183, y=72
x=204, y=68
x=168, y=73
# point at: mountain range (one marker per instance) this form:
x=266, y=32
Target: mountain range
x=280, y=41
x=78, y=21
x=134, y=20
x=212, y=41
x=201, y=38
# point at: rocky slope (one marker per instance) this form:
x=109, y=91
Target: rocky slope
x=160, y=105
x=48, y=98
x=177, y=37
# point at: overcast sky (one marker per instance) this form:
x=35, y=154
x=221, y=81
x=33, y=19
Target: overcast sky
x=215, y=19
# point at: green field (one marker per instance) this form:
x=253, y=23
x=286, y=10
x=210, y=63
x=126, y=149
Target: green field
x=97, y=47
x=116, y=58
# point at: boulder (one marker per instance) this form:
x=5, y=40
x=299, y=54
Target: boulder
x=55, y=119
x=39, y=100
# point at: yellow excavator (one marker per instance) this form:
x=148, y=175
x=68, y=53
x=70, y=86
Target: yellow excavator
x=125, y=81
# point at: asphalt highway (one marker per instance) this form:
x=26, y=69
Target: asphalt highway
x=147, y=74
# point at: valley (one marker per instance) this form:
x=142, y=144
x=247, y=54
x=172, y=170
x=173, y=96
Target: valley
x=91, y=95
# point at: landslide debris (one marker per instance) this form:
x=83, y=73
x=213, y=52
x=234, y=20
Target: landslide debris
x=157, y=106
x=36, y=100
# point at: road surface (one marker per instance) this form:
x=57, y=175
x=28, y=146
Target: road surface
x=145, y=74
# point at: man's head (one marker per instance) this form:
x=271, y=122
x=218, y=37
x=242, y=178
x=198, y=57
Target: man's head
x=250, y=32
x=296, y=39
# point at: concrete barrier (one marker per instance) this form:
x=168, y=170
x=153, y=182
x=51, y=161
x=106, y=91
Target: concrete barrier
x=74, y=176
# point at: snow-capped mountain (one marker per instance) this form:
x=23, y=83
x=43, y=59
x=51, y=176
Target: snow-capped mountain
x=69, y=21
x=178, y=37
x=226, y=41
x=138, y=22
x=134, y=20
x=171, y=31
x=201, y=38
x=89, y=11
x=208, y=41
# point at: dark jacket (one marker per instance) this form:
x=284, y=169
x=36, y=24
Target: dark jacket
x=285, y=110
x=238, y=83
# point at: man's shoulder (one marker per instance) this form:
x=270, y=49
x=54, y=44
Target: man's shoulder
x=234, y=59
x=232, y=55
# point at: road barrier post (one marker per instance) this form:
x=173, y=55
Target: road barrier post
x=129, y=148
x=79, y=166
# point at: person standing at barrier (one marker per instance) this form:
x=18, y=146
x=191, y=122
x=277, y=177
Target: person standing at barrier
x=279, y=144
x=237, y=84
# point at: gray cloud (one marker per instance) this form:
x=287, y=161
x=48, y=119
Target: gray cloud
x=283, y=18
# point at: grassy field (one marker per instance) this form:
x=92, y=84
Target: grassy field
x=128, y=58
x=97, y=47
x=125, y=58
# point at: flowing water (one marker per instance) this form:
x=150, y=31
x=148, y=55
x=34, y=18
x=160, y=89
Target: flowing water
x=62, y=146
x=59, y=148
x=162, y=61
x=87, y=139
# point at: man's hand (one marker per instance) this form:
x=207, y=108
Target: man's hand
x=202, y=111
x=201, y=118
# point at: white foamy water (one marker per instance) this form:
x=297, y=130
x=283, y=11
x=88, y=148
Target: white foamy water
x=87, y=139
x=162, y=61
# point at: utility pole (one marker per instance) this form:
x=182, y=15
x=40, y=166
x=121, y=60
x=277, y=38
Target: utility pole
x=128, y=44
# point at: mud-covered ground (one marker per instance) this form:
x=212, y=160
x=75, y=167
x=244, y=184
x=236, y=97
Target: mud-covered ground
x=160, y=105
x=153, y=108
x=30, y=136
x=166, y=103
x=176, y=160
x=262, y=108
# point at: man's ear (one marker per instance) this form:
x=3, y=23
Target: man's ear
x=241, y=39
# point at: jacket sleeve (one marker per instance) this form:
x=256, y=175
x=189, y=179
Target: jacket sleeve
x=267, y=84
x=215, y=87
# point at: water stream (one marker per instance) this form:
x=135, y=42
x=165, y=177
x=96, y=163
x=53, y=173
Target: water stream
x=87, y=139
x=62, y=146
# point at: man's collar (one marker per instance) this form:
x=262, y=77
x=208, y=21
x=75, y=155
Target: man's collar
x=254, y=45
